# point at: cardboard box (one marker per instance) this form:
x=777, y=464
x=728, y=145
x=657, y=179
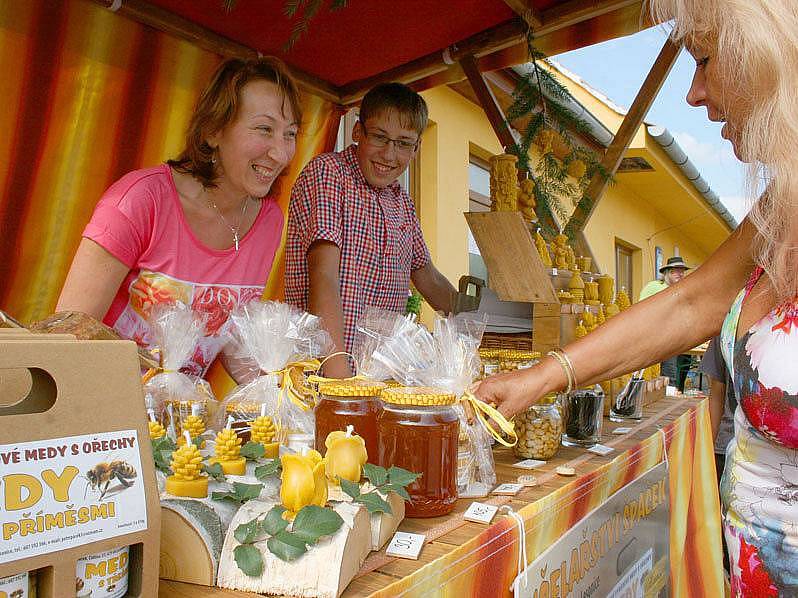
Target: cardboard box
x=72, y=427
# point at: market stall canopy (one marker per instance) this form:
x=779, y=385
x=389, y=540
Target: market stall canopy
x=346, y=51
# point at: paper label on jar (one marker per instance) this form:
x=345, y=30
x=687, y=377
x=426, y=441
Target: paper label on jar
x=104, y=574
x=15, y=586
x=65, y=492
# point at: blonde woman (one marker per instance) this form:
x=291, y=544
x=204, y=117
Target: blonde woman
x=746, y=54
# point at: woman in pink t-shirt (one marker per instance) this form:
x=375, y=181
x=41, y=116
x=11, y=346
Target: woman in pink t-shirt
x=199, y=229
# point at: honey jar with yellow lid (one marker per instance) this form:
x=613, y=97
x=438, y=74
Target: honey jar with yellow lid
x=418, y=430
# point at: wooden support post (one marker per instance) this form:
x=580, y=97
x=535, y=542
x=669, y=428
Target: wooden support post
x=612, y=158
x=525, y=10
x=488, y=102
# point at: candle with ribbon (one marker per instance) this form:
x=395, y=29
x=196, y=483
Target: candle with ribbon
x=284, y=344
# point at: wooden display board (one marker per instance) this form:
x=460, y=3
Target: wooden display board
x=516, y=270
x=71, y=389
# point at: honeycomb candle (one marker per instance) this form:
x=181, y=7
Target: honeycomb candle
x=103, y=574
x=16, y=586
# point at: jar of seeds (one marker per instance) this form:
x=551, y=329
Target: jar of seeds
x=539, y=430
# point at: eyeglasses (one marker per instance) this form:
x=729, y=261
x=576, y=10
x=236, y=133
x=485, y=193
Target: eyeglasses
x=401, y=146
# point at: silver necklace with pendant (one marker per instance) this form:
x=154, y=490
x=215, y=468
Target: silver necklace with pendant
x=233, y=229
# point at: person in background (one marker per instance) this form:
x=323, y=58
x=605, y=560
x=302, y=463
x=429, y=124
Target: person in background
x=200, y=229
x=746, y=57
x=353, y=236
x=677, y=366
x=722, y=405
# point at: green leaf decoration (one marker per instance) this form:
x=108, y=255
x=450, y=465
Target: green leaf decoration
x=350, y=488
x=274, y=523
x=376, y=475
x=240, y=493
x=286, y=546
x=248, y=559
x=313, y=522
x=253, y=450
x=197, y=441
x=247, y=532
x=162, y=450
x=215, y=471
x=374, y=503
x=400, y=490
x=401, y=477
x=270, y=468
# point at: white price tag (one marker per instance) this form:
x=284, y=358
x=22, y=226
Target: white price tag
x=480, y=512
x=529, y=464
x=507, y=489
x=405, y=545
x=600, y=449
x=621, y=430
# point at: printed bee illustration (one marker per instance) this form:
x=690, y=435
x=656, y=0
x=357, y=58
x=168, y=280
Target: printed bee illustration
x=16, y=594
x=102, y=474
x=78, y=584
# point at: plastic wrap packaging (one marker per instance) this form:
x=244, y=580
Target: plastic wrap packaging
x=390, y=346
x=284, y=342
x=172, y=395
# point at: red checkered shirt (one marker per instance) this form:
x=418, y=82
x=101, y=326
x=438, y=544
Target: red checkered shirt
x=376, y=229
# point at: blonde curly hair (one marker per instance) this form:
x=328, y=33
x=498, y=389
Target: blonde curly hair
x=755, y=46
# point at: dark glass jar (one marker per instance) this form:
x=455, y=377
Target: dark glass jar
x=418, y=431
x=349, y=402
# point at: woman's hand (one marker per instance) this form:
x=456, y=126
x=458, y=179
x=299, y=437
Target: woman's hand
x=513, y=392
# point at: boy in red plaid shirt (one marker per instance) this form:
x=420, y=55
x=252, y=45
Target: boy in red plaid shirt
x=353, y=236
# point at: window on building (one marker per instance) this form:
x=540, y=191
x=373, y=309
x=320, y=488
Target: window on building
x=659, y=259
x=623, y=267
x=478, y=201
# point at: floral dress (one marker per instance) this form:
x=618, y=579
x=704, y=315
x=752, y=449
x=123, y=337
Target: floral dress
x=759, y=489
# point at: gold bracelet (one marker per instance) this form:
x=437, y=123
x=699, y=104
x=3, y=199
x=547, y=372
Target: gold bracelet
x=566, y=367
x=567, y=359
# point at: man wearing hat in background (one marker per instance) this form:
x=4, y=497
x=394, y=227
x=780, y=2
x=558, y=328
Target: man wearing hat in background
x=673, y=271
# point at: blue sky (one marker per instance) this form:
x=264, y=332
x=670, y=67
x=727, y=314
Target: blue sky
x=618, y=67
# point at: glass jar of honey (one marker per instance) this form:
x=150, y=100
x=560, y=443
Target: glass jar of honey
x=349, y=402
x=418, y=431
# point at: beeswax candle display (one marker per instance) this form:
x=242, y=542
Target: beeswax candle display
x=285, y=343
x=187, y=478
x=171, y=394
x=346, y=455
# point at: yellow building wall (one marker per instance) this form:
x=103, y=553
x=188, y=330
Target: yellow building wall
x=623, y=216
x=458, y=126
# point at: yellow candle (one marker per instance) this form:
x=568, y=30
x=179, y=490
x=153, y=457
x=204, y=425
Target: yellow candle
x=264, y=431
x=187, y=479
x=157, y=431
x=346, y=455
x=227, y=452
x=303, y=482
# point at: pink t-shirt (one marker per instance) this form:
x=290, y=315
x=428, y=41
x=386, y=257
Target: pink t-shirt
x=140, y=221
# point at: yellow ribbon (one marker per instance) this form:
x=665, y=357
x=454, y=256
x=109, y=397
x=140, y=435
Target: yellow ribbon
x=485, y=413
x=302, y=395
